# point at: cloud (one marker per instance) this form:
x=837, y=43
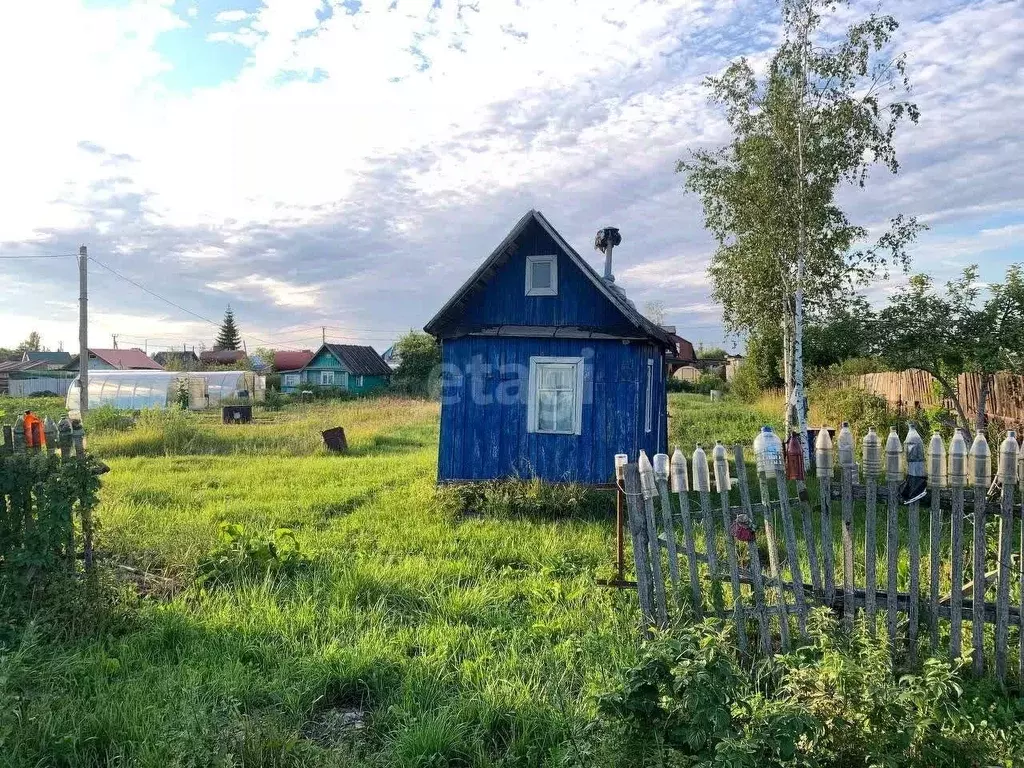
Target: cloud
x=281, y=292
x=375, y=154
x=230, y=17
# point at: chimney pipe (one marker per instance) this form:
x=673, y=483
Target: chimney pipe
x=605, y=241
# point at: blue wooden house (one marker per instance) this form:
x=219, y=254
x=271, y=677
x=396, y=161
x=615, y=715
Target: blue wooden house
x=548, y=370
x=340, y=366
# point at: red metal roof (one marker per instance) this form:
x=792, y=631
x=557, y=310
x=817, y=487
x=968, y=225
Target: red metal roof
x=126, y=359
x=291, y=361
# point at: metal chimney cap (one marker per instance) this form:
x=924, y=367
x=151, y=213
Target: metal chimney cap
x=605, y=237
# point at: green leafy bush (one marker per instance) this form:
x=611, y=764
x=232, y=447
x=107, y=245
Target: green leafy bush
x=746, y=384
x=107, y=418
x=690, y=700
x=530, y=498
x=242, y=553
x=39, y=496
x=861, y=408
x=702, y=386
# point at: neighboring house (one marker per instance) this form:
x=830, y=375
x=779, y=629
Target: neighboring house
x=697, y=368
x=357, y=369
x=291, y=361
x=11, y=367
x=186, y=360
x=116, y=360
x=732, y=366
x=52, y=361
x=549, y=370
x=222, y=357
x=392, y=357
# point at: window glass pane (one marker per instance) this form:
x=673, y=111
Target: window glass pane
x=564, y=412
x=546, y=405
x=541, y=274
x=556, y=377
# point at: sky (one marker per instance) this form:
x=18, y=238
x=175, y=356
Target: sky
x=348, y=164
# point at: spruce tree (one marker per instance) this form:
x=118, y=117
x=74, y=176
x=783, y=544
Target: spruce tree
x=228, y=337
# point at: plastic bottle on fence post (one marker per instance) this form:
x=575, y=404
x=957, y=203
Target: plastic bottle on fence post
x=723, y=479
x=913, y=447
x=958, y=460
x=1008, y=455
x=772, y=452
x=979, y=462
x=893, y=457
x=50, y=433
x=647, y=486
x=845, y=447
x=871, y=454
x=621, y=460
x=661, y=467
x=18, y=433
x=915, y=487
x=1020, y=460
x=701, y=481
x=823, y=453
x=936, y=461
x=794, y=458
x=759, y=450
x=680, y=480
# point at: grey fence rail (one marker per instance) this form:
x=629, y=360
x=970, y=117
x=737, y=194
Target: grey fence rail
x=763, y=566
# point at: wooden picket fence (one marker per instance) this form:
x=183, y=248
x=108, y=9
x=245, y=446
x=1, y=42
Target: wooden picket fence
x=769, y=602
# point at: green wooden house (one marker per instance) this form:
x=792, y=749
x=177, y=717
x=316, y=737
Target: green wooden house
x=344, y=366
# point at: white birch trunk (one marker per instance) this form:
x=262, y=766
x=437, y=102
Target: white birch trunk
x=799, y=394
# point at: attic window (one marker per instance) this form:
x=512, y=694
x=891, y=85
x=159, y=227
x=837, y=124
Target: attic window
x=541, y=276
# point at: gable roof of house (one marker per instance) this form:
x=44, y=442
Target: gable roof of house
x=502, y=253
x=51, y=358
x=291, y=361
x=126, y=359
x=9, y=366
x=361, y=361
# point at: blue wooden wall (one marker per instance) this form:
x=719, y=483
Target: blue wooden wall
x=503, y=300
x=482, y=438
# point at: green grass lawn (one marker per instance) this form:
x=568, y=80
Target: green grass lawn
x=413, y=635
x=445, y=640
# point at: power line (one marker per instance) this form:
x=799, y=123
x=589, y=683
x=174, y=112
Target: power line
x=164, y=299
x=40, y=256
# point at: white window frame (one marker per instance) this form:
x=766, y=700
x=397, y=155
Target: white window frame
x=326, y=378
x=552, y=290
x=292, y=379
x=649, y=410
x=359, y=380
x=533, y=403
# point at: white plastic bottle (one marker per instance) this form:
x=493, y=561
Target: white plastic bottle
x=872, y=454
x=893, y=457
x=680, y=480
x=936, y=461
x=980, y=463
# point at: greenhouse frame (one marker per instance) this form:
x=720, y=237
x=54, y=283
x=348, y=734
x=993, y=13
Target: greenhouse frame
x=138, y=390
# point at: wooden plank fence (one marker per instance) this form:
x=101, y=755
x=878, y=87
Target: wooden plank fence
x=904, y=389
x=963, y=568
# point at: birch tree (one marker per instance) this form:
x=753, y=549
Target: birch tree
x=822, y=113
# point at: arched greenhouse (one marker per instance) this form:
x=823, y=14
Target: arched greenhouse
x=136, y=390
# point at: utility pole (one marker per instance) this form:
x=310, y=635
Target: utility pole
x=83, y=330
x=113, y=337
